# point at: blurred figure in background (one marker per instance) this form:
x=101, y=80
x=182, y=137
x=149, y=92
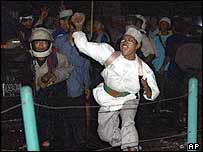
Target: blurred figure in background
x=160, y=47
x=25, y=28
x=152, y=27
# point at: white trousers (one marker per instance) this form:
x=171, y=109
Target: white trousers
x=108, y=125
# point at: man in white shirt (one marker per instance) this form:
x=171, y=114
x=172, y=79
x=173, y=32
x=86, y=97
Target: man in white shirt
x=119, y=93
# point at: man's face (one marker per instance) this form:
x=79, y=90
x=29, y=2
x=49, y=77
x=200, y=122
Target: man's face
x=64, y=23
x=128, y=45
x=27, y=23
x=138, y=23
x=153, y=22
x=40, y=46
x=164, y=26
x=97, y=26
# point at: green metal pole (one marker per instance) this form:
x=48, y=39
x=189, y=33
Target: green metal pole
x=29, y=119
x=192, y=112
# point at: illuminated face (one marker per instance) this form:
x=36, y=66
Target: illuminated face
x=164, y=26
x=40, y=45
x=97, y=26
x=64, y=23
x=129, y=46
x=27, y=23
x=138, y=24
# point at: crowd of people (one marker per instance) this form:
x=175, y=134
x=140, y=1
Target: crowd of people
x=72, y=63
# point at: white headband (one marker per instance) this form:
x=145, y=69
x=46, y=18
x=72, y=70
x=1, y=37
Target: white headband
x=26, y=18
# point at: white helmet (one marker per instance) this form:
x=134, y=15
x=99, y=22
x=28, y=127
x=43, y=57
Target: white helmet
x=42, y=34
x=143, y=20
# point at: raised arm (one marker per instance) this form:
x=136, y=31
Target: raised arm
x=98, y=51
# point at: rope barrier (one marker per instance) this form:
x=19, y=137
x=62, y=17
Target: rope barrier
x=66, y=107
x=16, y=106
x=14, y=120
x=72, y=107
x=169, y=99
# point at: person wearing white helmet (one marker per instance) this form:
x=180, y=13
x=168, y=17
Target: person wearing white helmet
x=51, y=69
x=41, y=42
x=119, y=93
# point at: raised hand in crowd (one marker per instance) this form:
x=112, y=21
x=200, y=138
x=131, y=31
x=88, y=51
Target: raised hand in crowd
x=78, y=20
x=44, y=12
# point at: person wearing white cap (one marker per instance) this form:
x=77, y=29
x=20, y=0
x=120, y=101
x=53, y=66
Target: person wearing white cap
x=65, y=13
x=160, y=47
x=165, y=19
x=119, y=93
x=64, y=16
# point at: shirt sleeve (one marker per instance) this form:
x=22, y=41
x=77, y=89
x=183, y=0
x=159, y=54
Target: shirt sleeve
x=151, y=80
x=98, y=51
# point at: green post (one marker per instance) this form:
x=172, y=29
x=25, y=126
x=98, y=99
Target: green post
x=192, y=112
x=29, y=119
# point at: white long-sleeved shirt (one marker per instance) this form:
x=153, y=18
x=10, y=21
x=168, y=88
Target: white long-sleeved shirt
x=121, y=75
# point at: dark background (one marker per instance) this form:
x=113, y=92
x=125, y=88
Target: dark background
x=109, y=8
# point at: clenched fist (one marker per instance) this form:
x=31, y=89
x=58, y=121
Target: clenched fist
x=147, y=89
x=46, y=80
x=78, y=20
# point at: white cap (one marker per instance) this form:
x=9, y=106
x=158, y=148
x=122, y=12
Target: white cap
x=166, y=19
x=66, y=13
x=134, y=33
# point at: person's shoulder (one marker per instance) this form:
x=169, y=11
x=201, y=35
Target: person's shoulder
x=59, y=33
